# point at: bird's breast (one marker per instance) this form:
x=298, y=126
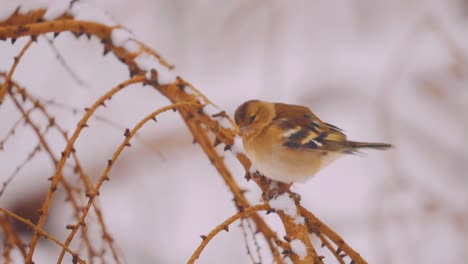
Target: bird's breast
x=280, y=163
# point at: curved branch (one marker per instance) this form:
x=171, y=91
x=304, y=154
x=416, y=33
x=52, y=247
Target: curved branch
x=224, y=226
x=86, y=181
x=176, y=92
x=6, y=84
x=42, y=233
x=318, y=226
x=58, y=172
x=46, y=146
x=105, y=174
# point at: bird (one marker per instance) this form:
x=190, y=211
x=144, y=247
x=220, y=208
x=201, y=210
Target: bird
x=289, y=143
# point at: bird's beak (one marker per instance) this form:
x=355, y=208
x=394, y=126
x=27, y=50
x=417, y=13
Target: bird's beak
x=242, y=131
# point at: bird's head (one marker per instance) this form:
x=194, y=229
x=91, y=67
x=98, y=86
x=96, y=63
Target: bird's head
x=253, y=116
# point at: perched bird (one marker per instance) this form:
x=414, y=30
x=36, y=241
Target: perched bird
x=288, y=143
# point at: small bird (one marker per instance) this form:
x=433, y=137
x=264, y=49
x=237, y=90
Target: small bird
x=288, y=143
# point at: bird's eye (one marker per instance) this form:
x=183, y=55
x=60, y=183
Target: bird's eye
x=252, y=118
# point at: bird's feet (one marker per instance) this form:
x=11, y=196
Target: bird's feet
x=278, y=188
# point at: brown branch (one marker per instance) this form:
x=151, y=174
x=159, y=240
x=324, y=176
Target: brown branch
x=78, y=168
x=176, y=93
x=327, y=244
x=12, y=237
x=45, y=145
x=318, y=226
x=105, y=174
x=6, y=84
x=42, y=233
x=58, y=174
x=223, y=226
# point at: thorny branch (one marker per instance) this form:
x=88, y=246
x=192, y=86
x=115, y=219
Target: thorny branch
x=42, y=233
x=191, y=107
x=77, y=168
x=225, y=226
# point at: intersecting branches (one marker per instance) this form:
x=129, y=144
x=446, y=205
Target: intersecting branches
x=202, y=118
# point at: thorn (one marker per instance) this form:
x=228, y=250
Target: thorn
x=203, y=237
x=103, y=104
x=269, y=211
x=248, y=176
x=63, y=154
x=88, y=36
x=109, y=162
x=84, y=125
x=226, y=228
x=86, y=109
x=132, y=72
x=338, y=250
x=217, y=142
x=56, y=34
x=352, y=262
x=287, y=239
x=220, y=114
x=73, y=150
x=227, y=147
x=106, y=178
x=240, y=208
x=128, y=144
x=17, y=10
x=51, y=121
x=127, y=132
x=77, y=34
x=243, y=190
x=154, y=119
x=154, y=77
x=50, y=178
x=286, y=252
x=70, y=227
x=13, y=40
x=194, y=141
x=75, y=259
x=106, y=50
x=34, y=38
x=39, y=211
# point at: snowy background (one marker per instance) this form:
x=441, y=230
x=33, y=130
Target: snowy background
x=383, y=70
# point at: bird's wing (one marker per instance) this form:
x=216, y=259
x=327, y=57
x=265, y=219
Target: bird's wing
x=302, y=130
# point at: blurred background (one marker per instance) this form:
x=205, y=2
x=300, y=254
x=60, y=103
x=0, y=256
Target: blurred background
x=383, y=70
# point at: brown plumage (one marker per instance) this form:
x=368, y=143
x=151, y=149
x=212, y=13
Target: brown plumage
x=288, y=143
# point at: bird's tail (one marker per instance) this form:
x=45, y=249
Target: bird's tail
x=379, y=146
